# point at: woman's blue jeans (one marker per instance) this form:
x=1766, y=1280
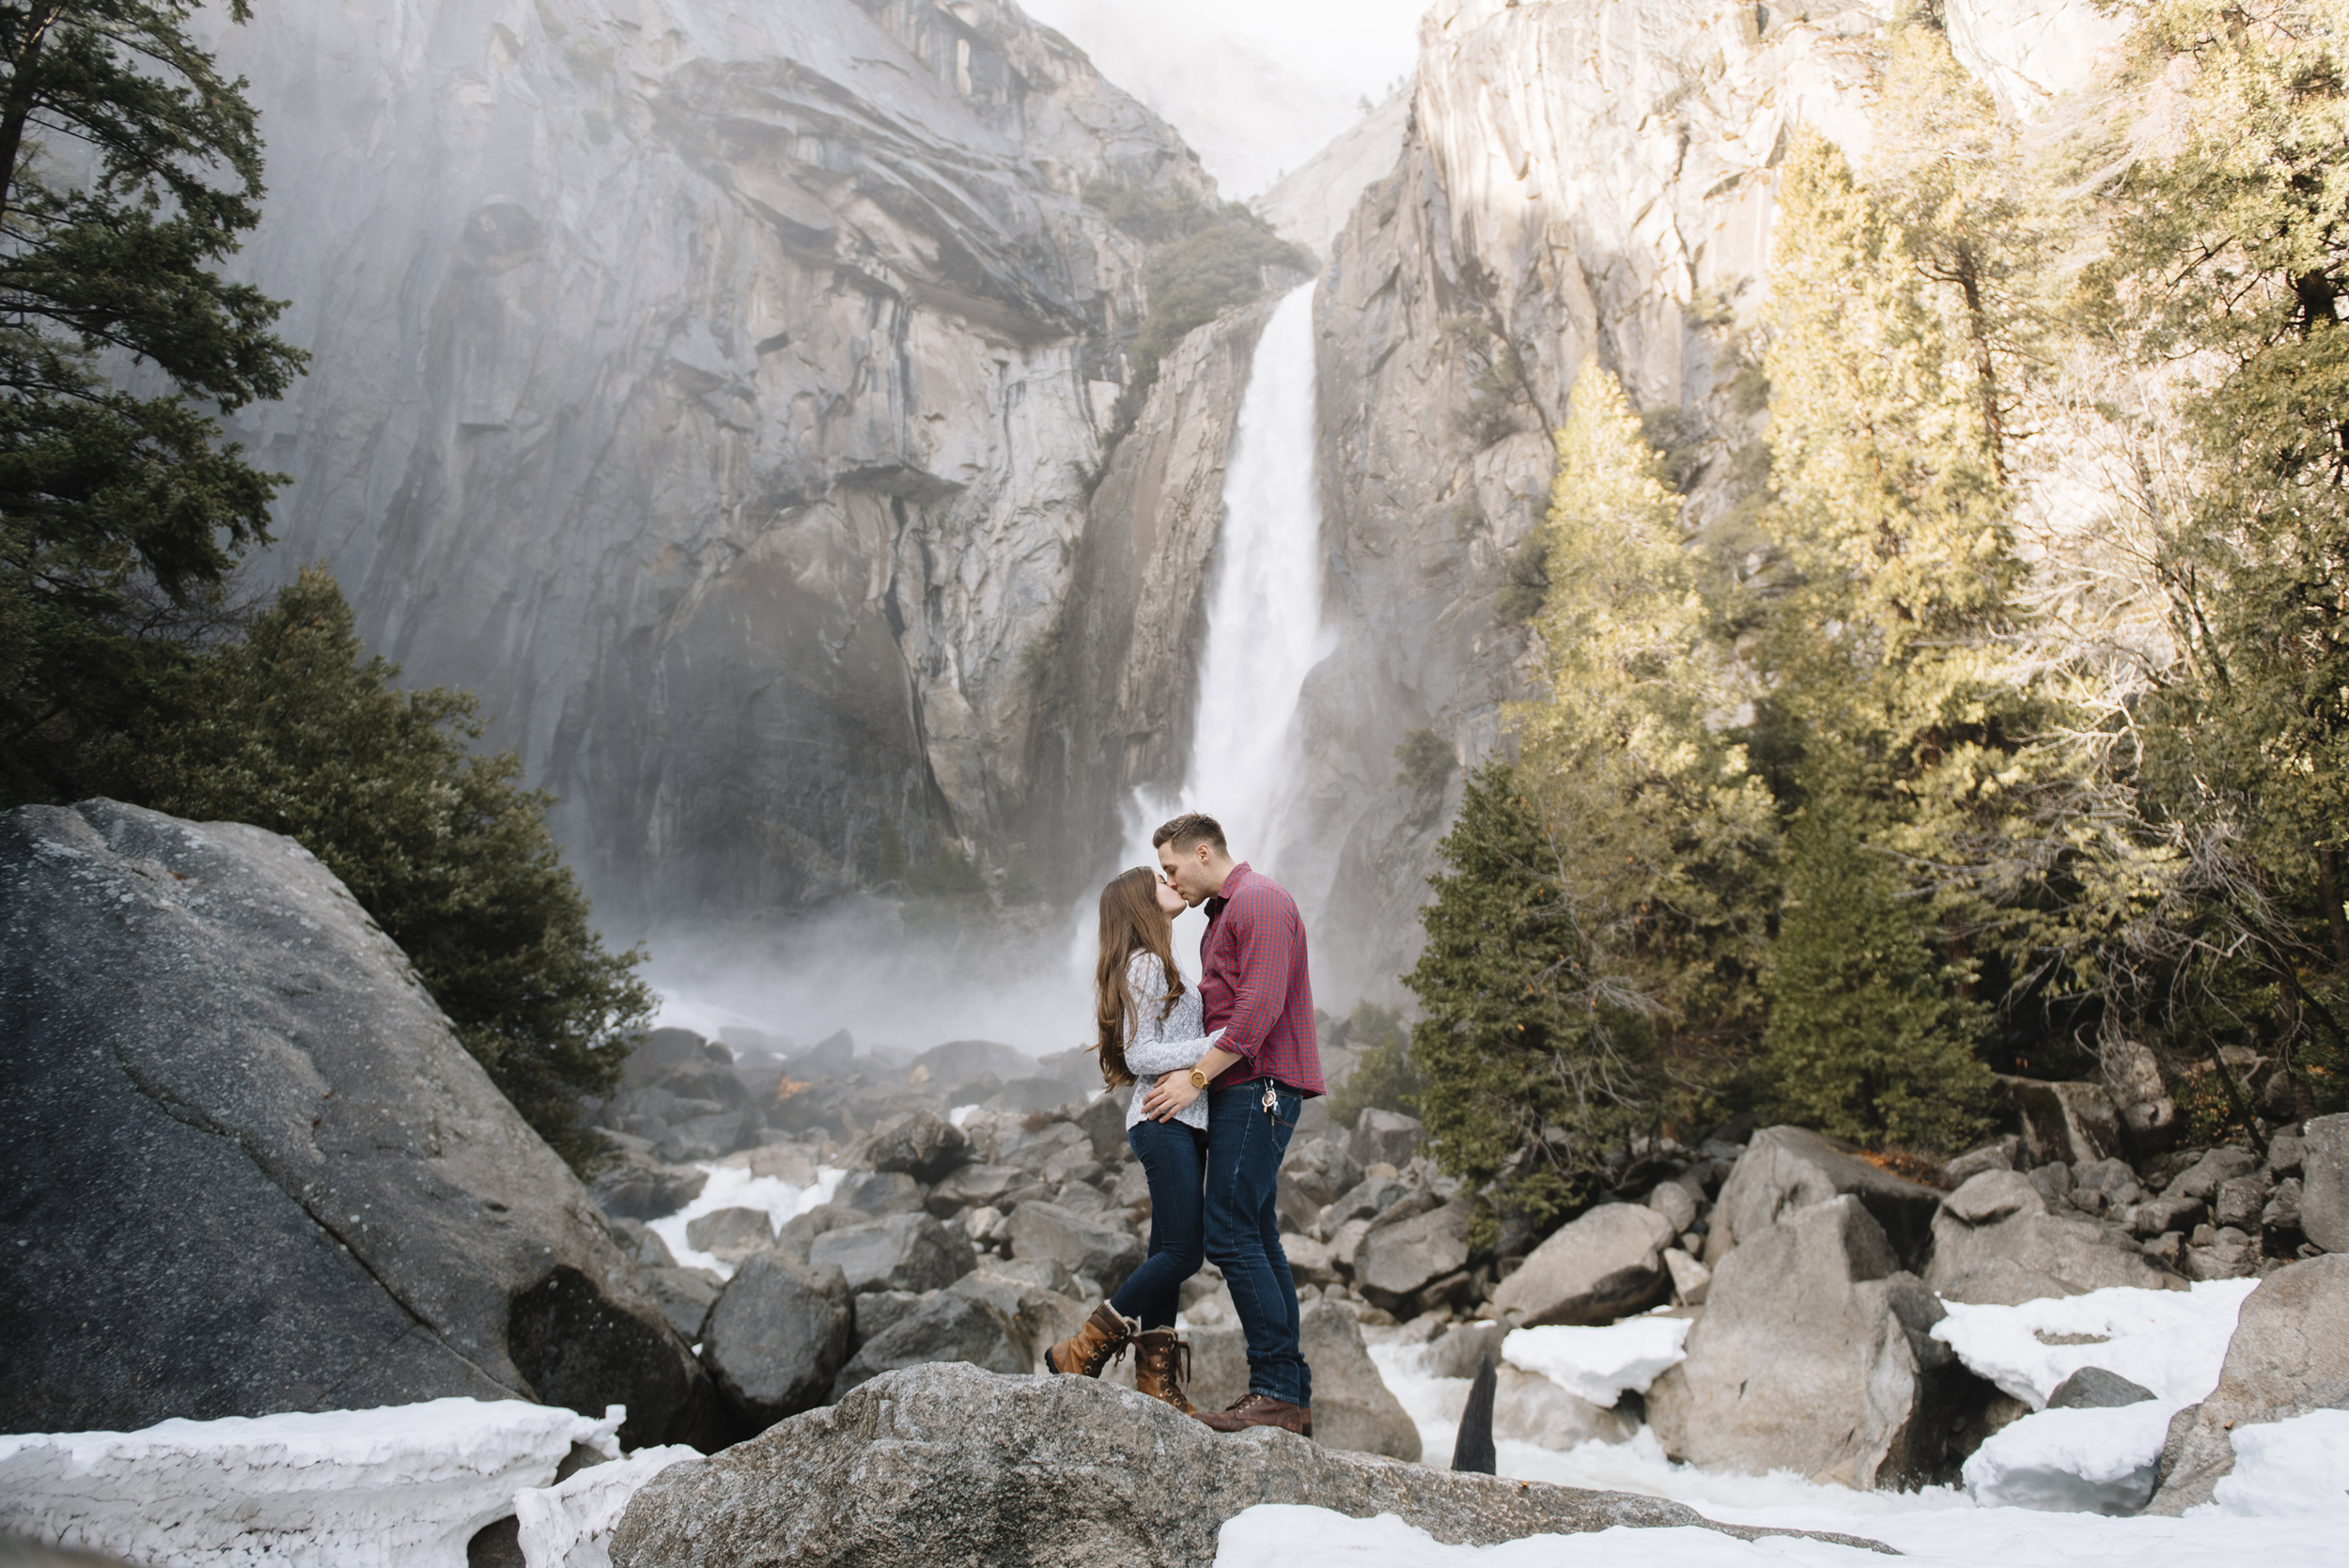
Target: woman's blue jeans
x=1175, y=1158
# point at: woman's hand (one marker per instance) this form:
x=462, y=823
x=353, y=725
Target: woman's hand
x=1171, y=1093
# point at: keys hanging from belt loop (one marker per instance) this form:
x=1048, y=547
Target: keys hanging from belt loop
x=1271, y=1102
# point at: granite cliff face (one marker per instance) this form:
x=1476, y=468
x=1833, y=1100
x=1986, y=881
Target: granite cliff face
x=714, y=387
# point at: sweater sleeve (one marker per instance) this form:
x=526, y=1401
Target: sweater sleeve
x=1151, y=1051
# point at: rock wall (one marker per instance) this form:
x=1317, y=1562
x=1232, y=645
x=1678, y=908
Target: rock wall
x=713, y=385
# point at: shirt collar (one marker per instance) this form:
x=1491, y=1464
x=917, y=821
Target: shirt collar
x=1231, y=883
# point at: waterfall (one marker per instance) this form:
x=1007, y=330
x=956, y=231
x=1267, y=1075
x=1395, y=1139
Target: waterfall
x=1264, y=610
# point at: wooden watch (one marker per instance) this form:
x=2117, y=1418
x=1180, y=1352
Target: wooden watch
x=1198, y=1079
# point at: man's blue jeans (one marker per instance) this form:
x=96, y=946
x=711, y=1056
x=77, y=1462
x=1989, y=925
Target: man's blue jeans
x=1173, y=1157
x=1243, y=1232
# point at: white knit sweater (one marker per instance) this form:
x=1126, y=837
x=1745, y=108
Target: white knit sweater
x=1172, y=1044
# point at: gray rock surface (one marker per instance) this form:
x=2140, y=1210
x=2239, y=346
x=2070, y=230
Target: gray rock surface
x=731, y=1234
x=776, y=1338
x=1530, y=1408
x=2203, y=1178
x=1814, y=1354
x=686, y=1296
x=941, y=1327
x=1996, y=1242
x=902, y=1252
x=1384, y=1137
x=1397, y=1261
x=921, y=1143
x=2094, y=1389
x=1354, y=1410
x=1105, y=1248
x=2324, y=1183
x=251, y=1170
x=947, y=1464
x=2290, y=1354
x=1605, y=1264
x=1788, y=1169
x=2074, y=1123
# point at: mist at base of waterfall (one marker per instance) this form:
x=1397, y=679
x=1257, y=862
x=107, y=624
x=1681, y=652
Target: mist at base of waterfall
x=905, y=975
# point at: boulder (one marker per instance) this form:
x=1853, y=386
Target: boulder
x=1040, y=1315
x=776, y=1338
x=1103, y=1123
x=707, y=1136
x=637, y=1186
x=1998, y=1154
x=903, y=1251
x=1395, y=1261
x=880, y=1192
x=786, y=1162
x=1995, y=1243
x=1677, y=1203
x=1322, y=1167
x=973, y=1186
x=1787, y=1168
x=659, y=1052
x=920, y=1144
x=1691, y=1280
x=1606, y=1264
x=1530, y=1408
x=2203, y=1179
x=1368, y=1199
x=2240, y=1202
x=942, y=1325
x=2074, y=1123
x=2289, y=1356
x=1311, y=1261
x=873, y=1312
x=2324, y=1183
x=2094, y=1389
x=1814, y=1354
x=1104, y=1249
x=731, y=1234
x=1384, y=1138
x=945, y=1464
x=251, y=1170
x=1353, y=1408
x=686, y=1296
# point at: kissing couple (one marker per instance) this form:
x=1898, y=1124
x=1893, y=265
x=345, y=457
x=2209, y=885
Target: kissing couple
x=1219, y=1073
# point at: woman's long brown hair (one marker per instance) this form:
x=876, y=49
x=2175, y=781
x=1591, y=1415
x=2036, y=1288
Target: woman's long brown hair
x=1131, y=922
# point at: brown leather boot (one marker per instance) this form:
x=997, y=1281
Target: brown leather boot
x=1255, y=1409
x=1158, y=1354
x=1104, y=1338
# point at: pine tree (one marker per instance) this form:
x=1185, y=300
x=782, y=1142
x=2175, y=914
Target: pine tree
x=296, y=729
x=1535, y=1060
x=128, y=169
x=1866, y=1039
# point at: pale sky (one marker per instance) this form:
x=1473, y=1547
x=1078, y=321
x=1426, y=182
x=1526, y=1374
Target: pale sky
x=1256, y=87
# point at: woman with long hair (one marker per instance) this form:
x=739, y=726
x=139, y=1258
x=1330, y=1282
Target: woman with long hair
x=1147, y=1023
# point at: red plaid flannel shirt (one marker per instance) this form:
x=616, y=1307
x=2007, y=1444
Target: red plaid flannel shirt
x=1253, y=984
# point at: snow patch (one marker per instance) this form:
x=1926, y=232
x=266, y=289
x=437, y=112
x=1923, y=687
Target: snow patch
x=731, y=1187
x=405, y=1487
x=963, y=1113
x=569, y=1525
x=2293, y=1469
x=2073, y=1461
x=2172, y=1342
x=1601, y=1365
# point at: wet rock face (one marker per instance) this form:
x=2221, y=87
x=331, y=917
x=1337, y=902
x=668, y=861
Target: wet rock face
x=714, y=391
x=251, y=1170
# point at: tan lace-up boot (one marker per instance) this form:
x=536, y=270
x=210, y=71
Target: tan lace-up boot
x=1104, y=1338
x=1162, y=1364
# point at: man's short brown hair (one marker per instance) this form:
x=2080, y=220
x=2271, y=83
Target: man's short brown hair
x=1189, y=831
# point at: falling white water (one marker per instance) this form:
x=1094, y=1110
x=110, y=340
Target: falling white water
x=1264, y=613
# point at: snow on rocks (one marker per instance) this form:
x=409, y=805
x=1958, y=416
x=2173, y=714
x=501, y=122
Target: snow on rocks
x=405, y=1487
x=569, y=1525
x=2082, y=1461
x=2296, y=1467
x=1600, y=1364
x=2171, y=1342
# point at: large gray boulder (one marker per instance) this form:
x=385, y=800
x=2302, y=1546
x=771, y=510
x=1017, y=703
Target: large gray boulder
x=1353, y=1408
x=1384, y=1137
x=948, y=1464
x=1787, y=1168
x=1813, y=1355
x=776, y=1338
x=902, y=1252
x=942, y=1325
x=1996, y=1243
x=250, y=1169
x=920, y=1144
x=1395, y=1262
x=1606, y=1264
x=2290, y=1354
x=2074, y=1124
x=1530, y=1408
x=1104, y=1248
x=2324, y=1183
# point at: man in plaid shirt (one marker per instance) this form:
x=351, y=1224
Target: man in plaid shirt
x=1254, y=988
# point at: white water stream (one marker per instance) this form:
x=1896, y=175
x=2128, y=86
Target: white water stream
x=1264, y=615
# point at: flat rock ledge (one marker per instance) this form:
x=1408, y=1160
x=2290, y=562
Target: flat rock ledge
x=948, y=1464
